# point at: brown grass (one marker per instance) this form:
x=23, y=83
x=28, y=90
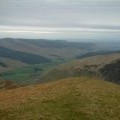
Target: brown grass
x=73, y=98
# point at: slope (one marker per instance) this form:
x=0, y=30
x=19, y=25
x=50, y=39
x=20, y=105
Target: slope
x=68, y=99
x=90, y=66
x=55, y=49
x=7, y=85
x=10, y=64
x=111, y=72
x=33, y=51
x=23, y=56
x=25, y=60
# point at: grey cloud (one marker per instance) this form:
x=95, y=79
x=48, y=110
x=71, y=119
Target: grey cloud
x=94, y=14
x=48, y=12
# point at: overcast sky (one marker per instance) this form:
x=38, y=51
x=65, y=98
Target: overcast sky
x=60, y=19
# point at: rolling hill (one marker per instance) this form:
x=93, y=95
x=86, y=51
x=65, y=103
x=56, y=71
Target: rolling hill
x=94, y=66
x=27, y=61
x=10, y=64
x=47, y=48
x=22, y=60
x=31, y=51
x=68, y=99
x=22, y=56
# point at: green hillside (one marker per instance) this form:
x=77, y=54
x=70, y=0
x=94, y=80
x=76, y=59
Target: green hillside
x=29, y=74
x=10, y=64
x=68, y=99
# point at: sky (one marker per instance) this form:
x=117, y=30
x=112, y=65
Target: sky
x=60, y=19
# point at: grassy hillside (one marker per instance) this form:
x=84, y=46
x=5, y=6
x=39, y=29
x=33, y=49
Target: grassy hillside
x=90, y=66
x=68, y=99
x=7, y=85
x=10, y=64
x=38, y=73
x=29, y=74
x=90, y=54
x=31, y=51
x=26, y=61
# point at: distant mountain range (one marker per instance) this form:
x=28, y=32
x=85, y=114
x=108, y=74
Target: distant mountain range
x=22, y=60
x=27, y=51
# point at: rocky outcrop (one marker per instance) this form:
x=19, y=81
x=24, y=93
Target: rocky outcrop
x=111, y=72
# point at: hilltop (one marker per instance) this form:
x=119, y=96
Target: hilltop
x=68, y=99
